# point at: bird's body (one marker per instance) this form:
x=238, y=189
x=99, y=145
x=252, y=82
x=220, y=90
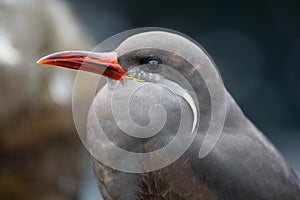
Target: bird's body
x=241, y=165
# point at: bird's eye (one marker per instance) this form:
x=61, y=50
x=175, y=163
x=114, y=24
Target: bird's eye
x=153, y=63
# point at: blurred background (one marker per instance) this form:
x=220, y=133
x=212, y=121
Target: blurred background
x=255, y=44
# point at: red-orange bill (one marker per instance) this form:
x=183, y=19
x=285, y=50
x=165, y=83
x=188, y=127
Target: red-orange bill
x=105, y=64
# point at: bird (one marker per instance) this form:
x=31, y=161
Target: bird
x=159, y=66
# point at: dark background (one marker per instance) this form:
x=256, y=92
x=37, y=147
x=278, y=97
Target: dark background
x=255, y=44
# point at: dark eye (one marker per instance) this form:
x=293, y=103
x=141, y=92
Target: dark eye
x=153, y=63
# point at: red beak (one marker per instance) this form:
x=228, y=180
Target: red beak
x=105, y=64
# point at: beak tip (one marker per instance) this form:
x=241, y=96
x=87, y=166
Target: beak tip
x=40, y=61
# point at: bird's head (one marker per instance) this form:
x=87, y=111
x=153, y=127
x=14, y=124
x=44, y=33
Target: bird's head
x=169, y=88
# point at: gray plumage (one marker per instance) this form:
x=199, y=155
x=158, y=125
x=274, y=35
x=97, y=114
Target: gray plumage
x=242, y=165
